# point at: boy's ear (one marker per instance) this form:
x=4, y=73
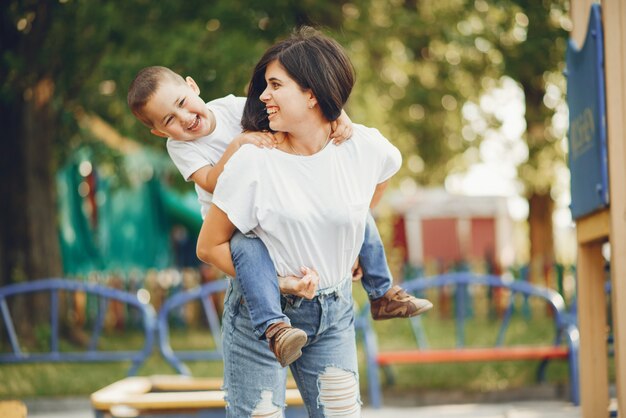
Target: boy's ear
x=158, y=133
x=191, y=83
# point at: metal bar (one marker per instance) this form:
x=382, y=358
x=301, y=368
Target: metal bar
x=8, y=321
x=54, y=321
x=213, y=320
x=103, y=304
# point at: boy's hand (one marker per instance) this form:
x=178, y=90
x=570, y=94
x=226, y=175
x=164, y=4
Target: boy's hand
x=341, y=128
x=260, y=139
x=304, y=286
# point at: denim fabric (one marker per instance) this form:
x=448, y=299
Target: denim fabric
x=257, y=276
x=251, y=372
x=376, y=275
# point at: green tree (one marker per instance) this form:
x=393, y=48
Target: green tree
x=537, y=64
x=419, y=62
x=62, y=59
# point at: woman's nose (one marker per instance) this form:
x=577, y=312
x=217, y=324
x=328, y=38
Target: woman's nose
x=264, y=97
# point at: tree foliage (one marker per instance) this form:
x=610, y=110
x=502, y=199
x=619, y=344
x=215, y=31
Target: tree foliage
x=417, y=63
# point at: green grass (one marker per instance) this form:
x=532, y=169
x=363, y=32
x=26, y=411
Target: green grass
x=65, y=379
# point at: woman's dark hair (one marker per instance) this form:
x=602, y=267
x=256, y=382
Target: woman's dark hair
x=315, y=62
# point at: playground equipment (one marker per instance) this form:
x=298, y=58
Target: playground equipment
x=604, y=218
x=108, y=224
x=163, y=396
x=563, y=347
x=173, y=397
x=106, y=296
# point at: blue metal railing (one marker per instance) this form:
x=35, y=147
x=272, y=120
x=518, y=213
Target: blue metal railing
x=91, y=354
x=202, y=294
x=565, y=323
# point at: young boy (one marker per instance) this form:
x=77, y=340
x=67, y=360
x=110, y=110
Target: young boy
x=201, y=138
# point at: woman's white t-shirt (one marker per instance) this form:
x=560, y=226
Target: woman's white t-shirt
x=308, y=210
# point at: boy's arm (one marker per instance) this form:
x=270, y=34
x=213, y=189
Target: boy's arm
x=206, y=177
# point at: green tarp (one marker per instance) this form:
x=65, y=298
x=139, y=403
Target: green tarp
x=131, y=228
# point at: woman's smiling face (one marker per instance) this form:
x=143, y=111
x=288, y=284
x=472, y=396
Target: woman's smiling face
x=286, y=103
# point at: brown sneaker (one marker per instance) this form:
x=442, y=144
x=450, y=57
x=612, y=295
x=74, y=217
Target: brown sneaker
x=397, y=303
x=285, y=342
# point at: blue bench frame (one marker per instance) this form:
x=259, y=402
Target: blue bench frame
x=565, y=325
x=203, y=294
x=91, y=354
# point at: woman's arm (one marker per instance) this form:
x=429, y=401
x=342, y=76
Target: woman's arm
x=214, y=248
x=378, y=193
x=214, y=240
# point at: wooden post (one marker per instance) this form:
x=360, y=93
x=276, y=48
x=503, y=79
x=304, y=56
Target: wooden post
x=591, y=299
x=608, y=224
x=614, y=20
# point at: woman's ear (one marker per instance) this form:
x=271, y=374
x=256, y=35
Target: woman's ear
x=312, y=101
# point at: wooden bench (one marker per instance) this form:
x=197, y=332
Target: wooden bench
x=564, y=347
x=104, y=296
x=173, y=396
x=185, y=393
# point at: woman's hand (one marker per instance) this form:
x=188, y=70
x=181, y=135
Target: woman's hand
x=357, y=271
x=260, y=139
x=341, y=128
x=304, y=286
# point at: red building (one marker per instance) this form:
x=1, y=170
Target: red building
x=435, y=227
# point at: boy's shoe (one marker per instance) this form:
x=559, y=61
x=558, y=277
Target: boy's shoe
x=286, y=342
x=397, y=303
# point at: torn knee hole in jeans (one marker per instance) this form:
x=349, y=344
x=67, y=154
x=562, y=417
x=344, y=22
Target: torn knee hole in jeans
x=265, y=408
x=339, y=393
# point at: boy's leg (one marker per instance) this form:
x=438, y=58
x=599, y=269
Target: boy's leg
x=257, y=279
x=376, y=278
x=387, y=301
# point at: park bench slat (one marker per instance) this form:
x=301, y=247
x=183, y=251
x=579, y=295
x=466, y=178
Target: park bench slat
x=135, y=392
x=471, y=354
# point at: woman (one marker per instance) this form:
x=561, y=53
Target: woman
x=308, y=203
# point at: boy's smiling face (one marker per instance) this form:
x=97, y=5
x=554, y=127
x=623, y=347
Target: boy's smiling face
x=177, y=111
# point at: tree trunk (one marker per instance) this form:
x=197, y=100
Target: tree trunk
x=29, y=245
x=541, y=237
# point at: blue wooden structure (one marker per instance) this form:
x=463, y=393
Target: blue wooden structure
x=586, y=99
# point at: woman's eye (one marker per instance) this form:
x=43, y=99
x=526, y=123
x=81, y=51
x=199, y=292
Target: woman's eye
x=181, y=103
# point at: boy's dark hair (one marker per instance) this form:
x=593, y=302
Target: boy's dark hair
x=144, y=85
x=315, y=62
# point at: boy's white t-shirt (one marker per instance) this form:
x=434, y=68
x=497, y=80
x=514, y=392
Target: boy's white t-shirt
x=308, y=210
x=190, y=156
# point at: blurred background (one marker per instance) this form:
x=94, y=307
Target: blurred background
x=471, y=91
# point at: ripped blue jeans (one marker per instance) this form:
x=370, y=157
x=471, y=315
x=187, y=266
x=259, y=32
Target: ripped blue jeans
x=326, y=374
